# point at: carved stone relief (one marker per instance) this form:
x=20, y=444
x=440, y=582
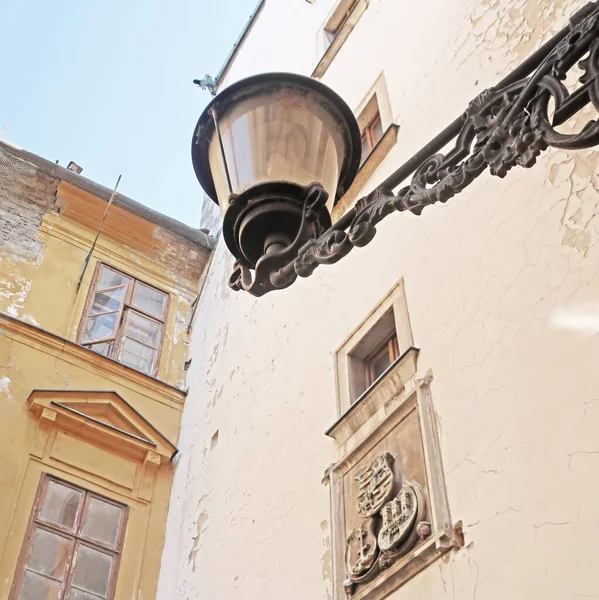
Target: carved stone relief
x=389, y=511
x=395, y=513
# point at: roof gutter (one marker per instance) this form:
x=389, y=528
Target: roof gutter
x=236, y=46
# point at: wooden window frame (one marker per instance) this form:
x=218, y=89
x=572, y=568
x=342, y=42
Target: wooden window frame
x=388, y=317
x=123, y=316
x=389, y=347
x=369, y=136
x=76, y=537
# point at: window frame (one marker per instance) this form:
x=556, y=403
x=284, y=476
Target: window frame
x=75, y=537
x=87, y=315
x=376, y=99
x=123, y=317
x=388, y=317
x=368, y=133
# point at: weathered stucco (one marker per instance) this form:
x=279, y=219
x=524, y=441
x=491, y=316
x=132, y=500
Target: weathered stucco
x=47, y=226
x=502, y=292
x=26, y=195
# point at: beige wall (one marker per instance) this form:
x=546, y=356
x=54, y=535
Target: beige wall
x=502, y=294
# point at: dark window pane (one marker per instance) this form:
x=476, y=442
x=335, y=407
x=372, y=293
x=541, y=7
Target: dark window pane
x=49, y=553
x=149, y=300
x=60, y=505
x=100, y=327
x=92, y=570
x=102, y=522
x=36, y=587
x=380, y=365
x=108, y=301
x=109, y=278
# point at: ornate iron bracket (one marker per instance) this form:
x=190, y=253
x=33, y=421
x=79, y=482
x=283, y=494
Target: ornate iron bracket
x=504, y=127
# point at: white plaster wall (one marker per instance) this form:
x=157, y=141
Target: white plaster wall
x=504, y=303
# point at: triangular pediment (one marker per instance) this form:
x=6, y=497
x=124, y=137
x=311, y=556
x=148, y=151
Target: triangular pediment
x=104, y=416
x=105, y=411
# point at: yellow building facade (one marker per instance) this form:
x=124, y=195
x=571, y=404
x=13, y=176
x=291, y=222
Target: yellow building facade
x=93, y=351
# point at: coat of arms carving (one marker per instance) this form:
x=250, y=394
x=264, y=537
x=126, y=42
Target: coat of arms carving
x=375, y=483
x=394, y=520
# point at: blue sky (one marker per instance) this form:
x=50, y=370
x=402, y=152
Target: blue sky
x=108, y=84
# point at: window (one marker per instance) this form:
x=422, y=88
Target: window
x=371, y=125
x=377, y=343
x=73, y=546
x=389, y=469
x=371, y=134
x=380, y=360
x=372, y=354
x=379, y=135
x=124, y=320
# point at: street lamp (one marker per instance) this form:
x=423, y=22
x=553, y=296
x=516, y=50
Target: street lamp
x=276, y=151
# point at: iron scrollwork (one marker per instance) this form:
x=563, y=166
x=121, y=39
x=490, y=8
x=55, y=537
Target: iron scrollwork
x=313, y=198
x=501, y=129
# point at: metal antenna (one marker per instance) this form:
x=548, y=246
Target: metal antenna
x=3, y=130
x=89, y=254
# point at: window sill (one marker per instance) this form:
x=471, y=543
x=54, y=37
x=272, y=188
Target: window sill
x=371, y=408
x=87, y=346
x=366, y=170
x=339, y=40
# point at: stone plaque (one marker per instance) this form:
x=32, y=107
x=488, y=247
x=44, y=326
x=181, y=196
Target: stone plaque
x=389, y=506
x=395, y=512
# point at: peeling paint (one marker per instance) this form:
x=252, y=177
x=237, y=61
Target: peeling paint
x=43, y=294
x=200, y=527
x=26, y=195
x=327, y=560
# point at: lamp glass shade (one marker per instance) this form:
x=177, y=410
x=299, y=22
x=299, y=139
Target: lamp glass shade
x=282, y=134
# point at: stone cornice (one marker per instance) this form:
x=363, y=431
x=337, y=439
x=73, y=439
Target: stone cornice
x=111, y=370
x=82, y=241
